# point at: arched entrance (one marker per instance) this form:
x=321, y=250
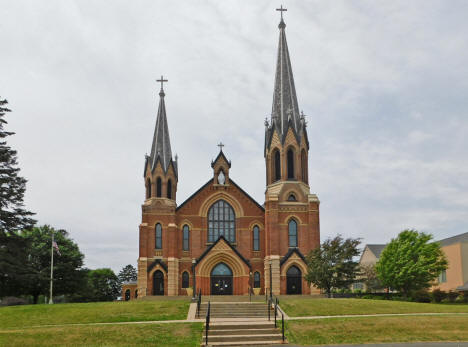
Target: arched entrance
x=127, y=295
x=293, y=280
x=221, y=280
x=158, y=283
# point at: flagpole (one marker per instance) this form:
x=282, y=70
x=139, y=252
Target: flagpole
x=51, y=268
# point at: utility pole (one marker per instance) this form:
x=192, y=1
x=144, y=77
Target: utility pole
x=51, y=269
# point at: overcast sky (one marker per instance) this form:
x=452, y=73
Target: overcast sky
x=384, y=85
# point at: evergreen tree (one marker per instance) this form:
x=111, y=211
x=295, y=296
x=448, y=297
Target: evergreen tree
x=410, y=262
x=332, y=265
x=13, y=215
x=128, y=274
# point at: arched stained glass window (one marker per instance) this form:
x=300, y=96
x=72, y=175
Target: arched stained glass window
x=158, y=187
x=256, y=283
x=292, y=233
x=221, y=222
x=185, y=238
x=256, y=238
x=158, y=237
x=290, y=163
x=185, y=280
x=169, y=189
x=221, y=270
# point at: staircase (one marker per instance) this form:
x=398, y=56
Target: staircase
x=240, y=324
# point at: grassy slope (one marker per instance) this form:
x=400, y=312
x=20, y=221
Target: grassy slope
x=161, y=335
x=130, y=311
x=377, y=330
x=302, y=307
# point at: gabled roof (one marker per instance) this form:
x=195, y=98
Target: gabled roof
x=229, y=244
x=211, y=182
x=376, y=249
x=454, y=239
x=221, y=155
x=161, y=145
x=290, y=253
x=156, y=262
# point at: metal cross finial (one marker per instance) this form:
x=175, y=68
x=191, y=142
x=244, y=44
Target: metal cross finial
x=162, y=80
x=281, y=9
x=220, y=145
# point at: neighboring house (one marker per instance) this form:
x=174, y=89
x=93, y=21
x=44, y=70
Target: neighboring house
x=456, y=275
x=370, y=255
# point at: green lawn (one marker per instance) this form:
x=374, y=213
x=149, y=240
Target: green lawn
x=377, y=330
x=161, y=335
x=303, y=307
x=129, y=311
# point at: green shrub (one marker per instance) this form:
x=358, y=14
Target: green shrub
x=452, y=296
x=421, y=296
x=438, y=295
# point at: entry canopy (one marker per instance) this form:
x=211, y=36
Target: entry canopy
x=221, y=270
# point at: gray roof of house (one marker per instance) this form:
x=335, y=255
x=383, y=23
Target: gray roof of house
x=463, y=287
x=285, y=110
x=376, y=249
x=161, y=146
x=454, y=239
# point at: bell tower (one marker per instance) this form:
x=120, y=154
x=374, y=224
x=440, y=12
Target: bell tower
x=291, y=211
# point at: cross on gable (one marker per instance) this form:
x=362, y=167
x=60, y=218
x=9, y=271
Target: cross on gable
x=220, y=145
x=162, y=80
x=281, y=10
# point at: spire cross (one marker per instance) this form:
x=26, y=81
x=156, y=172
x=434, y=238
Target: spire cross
x=220, y=145
x=281, y=9
x=162, y=80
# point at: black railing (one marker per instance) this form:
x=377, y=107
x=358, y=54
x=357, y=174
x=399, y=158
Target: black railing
x=198, y=303
x=207, y=323
x=276, y=310
x=282, y=325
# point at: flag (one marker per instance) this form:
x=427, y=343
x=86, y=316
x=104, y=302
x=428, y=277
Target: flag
x=56, y=247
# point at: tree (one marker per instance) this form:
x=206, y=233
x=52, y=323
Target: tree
x=410, y=262
x=13, y=215
x=104, y=284
x=331, y=266
x=369, y=277
x=128, y=274
x=67, y=275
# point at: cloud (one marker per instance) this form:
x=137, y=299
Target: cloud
x=384, y=87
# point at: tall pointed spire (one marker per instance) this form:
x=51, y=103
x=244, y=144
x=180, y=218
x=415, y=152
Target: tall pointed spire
x=161, y=147
x=285, y=108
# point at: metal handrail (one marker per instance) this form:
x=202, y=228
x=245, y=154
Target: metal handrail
x=207, y=323
x=282, y=325
x=276, y=310
x=199, y=303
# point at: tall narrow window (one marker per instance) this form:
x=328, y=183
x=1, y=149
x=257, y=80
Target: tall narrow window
x=148, y=188
x=256, y=283
x=290, y=156
x=277, y=166
x=292, y=233
x=158, y=237
x=158, y=187
x=221, y=222
x=185, y=237
x=304, y=167
x=185, y=279
x=169, y=189
x=256, y=238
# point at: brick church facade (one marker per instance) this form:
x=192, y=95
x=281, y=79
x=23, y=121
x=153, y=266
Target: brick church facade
x=220, y=240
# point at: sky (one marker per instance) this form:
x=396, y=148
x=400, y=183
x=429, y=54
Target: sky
x=384, y=85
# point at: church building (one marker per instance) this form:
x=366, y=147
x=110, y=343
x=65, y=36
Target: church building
x=220, y=240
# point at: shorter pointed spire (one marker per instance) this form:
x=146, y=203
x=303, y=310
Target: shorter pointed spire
x=161, y=146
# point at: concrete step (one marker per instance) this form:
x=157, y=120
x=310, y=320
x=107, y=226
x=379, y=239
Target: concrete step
x=244, y=343
x=255, y=331
x=241, y=325
x=241, y=338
